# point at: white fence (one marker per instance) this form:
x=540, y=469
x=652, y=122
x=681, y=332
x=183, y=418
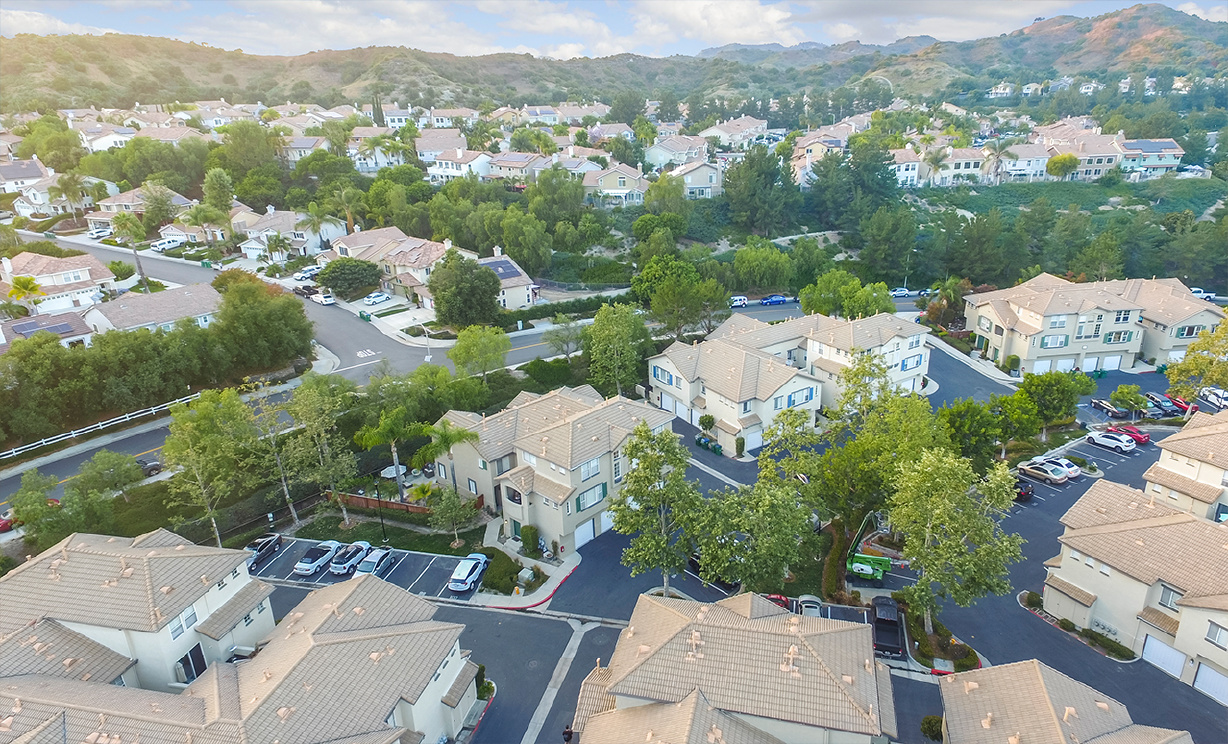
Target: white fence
x=95, y=427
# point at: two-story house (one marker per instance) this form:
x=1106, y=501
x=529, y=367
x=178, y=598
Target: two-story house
x=573, y=113
x=298, y=147
x=517, y=166
x=1050, y=323
x=1022, y=163
x=962, y=165
x=405, y=262
x=676, y=151
x=446, y=117
x=432, y=142
x=69, y=327
x=737, y=134
x=516, y=288
x=37, y=199
x=1028, y=701
x=620, y=185
x=700, y=179
x=417, y=684
x=97, y=136
x=459, y=163
x=798, y=680
x=197, y=303
x=1001, y=90
x=65, y=283
x=1149, y=576
x=610, y=130
x=368, y=157
x=906, y=166
x=539, y=115
x=130, y=201
x=170, y=135
x=550, y=460
x=285, y=223
x=173, y=606
x=17, y=174
x=1150, y=158
x=1192, y=472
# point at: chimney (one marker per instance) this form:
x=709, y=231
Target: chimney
x=447, y=244
x=571, y=151
x=498, y=250
x=460, y=152
x=6, y=267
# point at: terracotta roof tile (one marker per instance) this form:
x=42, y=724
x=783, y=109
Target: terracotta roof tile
x=1083, y=597
x=1204, y=492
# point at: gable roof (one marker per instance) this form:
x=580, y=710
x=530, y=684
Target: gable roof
x=135, y=310
x=509, y=272
x=64, y=325
x=20, y=170
x=438, y=140
x=1165, y=301
x=36, y=264
x=693, y=165
x=137, y=583
x=733, y=370
x=1046, y=294
x=692, y=720
x=681, y=143
x=47, y=647
x=1030, y=702
x=1204, y=437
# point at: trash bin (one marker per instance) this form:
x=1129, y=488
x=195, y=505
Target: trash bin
x=207, y=264
x=49, y=235
x=364, y=315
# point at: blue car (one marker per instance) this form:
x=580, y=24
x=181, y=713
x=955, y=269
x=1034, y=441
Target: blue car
x=773, y=300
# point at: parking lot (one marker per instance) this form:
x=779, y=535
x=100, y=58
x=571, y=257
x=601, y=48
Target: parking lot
x=425, y=574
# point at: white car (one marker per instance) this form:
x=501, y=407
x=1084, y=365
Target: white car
x=347, y=559
x=1111, y=440
x=377, y=560
x=99, y=233
x=1072, y=471
x=317, y=558
x=467, y=572
x=901, y=292
x=307, y=273
x=1215, y=396
x=323, y=298
x=1202, y=294
x=376, y=298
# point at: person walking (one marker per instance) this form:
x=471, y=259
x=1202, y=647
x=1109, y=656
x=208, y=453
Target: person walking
x=567, y=734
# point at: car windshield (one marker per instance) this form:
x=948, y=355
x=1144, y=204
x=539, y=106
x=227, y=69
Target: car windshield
x=464, y=569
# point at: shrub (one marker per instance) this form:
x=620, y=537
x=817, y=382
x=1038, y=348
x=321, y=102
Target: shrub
x=529, y=536
x=707, y=421
x=833, y=567
x=741, y=445
x=1012, y=362
x=1066, y=625
x=500, y=576
x=584, y=306
x=1112, y=647
x=549, y=374
x=931, y=728
x=20, y=222
x=121, y=269
x=480, y=677
x=1077, y=460
x=968, y=662
x=7, y=564
x=1033, y=600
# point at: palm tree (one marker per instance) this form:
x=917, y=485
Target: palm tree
x=394, y=426
x=480, y=135
x=13, y=310
x=444, y=436
x=71, y=186
x=126, y=225
x=995, y=152
x=348, y=201
x=371, y=147
x=314, y=220
x=935, y=158
x=949, y=294
x=275, y=244
x=203, y=216
x=26, y=289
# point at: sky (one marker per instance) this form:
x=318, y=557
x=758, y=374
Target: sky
x=554, y=28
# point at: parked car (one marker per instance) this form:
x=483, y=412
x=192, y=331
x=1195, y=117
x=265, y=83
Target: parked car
x=809, y=605
x=6, y=521
x=1072, y=471
x=307, y=272
x=323, y=298
x=99, y=233
x=774, y=299
x=925, y=292
x=888, y=628
x=1119, y=442
x=165, y=244
x=376, y=298
x=1181, y=403
x=737, y=301
x=375, y=561
x=1139, y=437
x=347, y=559
x=694, y=567
x=5, y=214
x=1043, y=471
x=901, y=292
x=467, y=572
x=1023, y=491
x=1202, y=294
x=306, y=290
x=1100, y=404
x=150, y=466
x=779, y=600
x=317, y=558
x=1214, y=396
x=1162, y=403
x=263, y=547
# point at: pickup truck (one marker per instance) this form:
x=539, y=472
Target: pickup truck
x=888, y=627
x=1202, y=294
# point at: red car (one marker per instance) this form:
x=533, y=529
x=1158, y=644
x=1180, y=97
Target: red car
x=1178, y=402
x=6, y=522
x=1139, y=437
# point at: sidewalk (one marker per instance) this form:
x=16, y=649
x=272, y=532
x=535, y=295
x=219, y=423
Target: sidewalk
x=539, y=597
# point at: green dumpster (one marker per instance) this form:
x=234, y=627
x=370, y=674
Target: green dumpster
x=364, y=315
x=207, y=264
x=49, y=235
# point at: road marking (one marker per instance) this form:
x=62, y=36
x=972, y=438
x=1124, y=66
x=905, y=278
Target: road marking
x=394, y=566
x=356, y=366
x=714, y=473
x=910, y=579
x=415, y=581
x=529, y=346
x=146, y=452
x=1040, y=482
x=365, y=353
x=556, y=681
x=706, y=585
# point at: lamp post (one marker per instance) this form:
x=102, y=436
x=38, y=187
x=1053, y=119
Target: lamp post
x=379, y=508
x=426, y=332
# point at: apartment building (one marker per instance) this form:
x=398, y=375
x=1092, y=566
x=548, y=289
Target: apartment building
x=1050, y=323
x=174, y=607
x=676, y=150
x=551, y=460
x=1192, y=472
x=1149, y=576
x=799, y=680
x=905, y=165
x=1028, y=701
x=736, y=134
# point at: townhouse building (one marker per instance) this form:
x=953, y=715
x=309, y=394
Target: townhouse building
x=441, y=118
x=1022, y=163
x=620, y=184
x=1054, y=324
x=1149, y=576
x=539, y=115
x=799, y=679
x=174, y=135
x=1191, y=474
x=65, y=283
x=37, y=199
x=284, y=223
x=459, y=163
x=129, y=201
x=962, y=165
x=432, y=142
x=517, y=166
x=905, y=165
x=98, y=136
x=737, y=134
x=298, y=147
x=701, y=179
x=551, y=460
x=675, y=150
x=1029, y=701
x=197, y=303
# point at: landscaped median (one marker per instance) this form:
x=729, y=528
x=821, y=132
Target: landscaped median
x=941, y=652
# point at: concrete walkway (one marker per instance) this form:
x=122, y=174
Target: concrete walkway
x=556, y=681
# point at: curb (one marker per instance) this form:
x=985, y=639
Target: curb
x=540, y=602
x=935, y=343
x=485, y=710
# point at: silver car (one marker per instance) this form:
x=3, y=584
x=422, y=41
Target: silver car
x=317, y=558
x=347, y=559
x=377, y=560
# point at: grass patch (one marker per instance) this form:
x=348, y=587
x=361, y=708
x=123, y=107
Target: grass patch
x=394, y=311
x=328, y=527
x=806, y=577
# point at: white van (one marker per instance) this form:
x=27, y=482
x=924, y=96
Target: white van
x=165, y=244
x=737, y=301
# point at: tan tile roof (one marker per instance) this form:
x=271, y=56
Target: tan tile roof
x=33, y=264
x=735, y=371
x=594, y=697
x=438, y=140
x=365, y=132
x=114, y=582
x=1160, y=619
x=811, y=671
x=456, y=692
x=47, y=647
x=1204, y=492
x=135, y=310
x=691, y=720
x=1083, y=597
x=1050, y=295
x=223, y=620
x=1204, y=438
x=1030, y=703
x=1053, y=562
x=170, y=134
x=1166, y=301
x=1151, y=542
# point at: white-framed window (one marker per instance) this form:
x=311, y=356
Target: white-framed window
x=1090, y=561
x=1104, y=569
x=590, y=468
x=176, y=628
x=911, y=362
x=778, y=402
x=914, y=342
x=1123, y=316
x=1054, y=342
x=618, y=469
x=530, y=459
x=805, y=395
x=1169, y=597
x=482, y=464
x=662, y=374
x=443, y=470
x=1189, y=331
x=1076, y=554
x=984, y=323
x=1217, y=634
x=746, y=406
x=473, y=486
x=590, y=497
x=1119, y=337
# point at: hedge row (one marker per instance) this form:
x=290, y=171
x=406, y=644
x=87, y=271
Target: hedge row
x=1112, y=647
x=501, y=573
x=833, y=567
x=570, y=307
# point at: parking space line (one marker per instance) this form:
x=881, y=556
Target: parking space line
x=909, y=579
x=701, y=581
x=415, y=581
x=1040, y=482
x=394, y=566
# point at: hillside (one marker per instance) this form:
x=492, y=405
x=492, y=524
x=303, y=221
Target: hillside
x=118, y=70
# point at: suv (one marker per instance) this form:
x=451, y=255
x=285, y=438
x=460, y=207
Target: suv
x=307, y=273
x=888, y=628
x=150, y=466
x=306, y=290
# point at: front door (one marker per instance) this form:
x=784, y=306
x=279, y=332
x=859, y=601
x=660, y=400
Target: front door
x=515, y=528
x=499, y=499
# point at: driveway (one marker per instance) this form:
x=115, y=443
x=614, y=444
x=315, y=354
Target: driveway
x=957, y=380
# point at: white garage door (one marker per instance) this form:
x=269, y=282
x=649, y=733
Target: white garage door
x=607, y=521
x=1065, y=365
x=1090, y=364
x=1112, y=362
x=1163, y=655
x=1213, y=682
x=754, y=439
x=667, y=403
x=1176, y=355
x=584, y=533
x=1042, y=366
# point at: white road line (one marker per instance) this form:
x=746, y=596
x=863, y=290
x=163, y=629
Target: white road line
x=1041, y=483
x=909, y=579
x=1042, y=498
x=710, y=586
x=356, y=366
x=394, y=566
x=556, y=681
x=415, y=581
x=714, y=473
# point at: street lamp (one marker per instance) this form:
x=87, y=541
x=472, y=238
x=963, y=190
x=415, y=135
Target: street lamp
x=427, y=333
x=379, y=508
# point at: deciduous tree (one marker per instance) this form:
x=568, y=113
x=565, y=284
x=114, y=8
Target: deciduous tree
x=449, y=511
x=615, y=343
x=1018, y=417
x=1128, y=397
x=1056, y=395
x=479, y=349
x=106, y=472
x=974, y=431
x=466, y=293
x=316, y=451
x=667, y=194
x=1205, y=364
x=345, y=276
x=564, y=336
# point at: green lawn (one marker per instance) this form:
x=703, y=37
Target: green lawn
x=328, y=527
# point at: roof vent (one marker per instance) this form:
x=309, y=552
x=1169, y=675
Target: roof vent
x=987, y=721
x=359, y=610
x=167, y=589
x=1102, y=705
x=715, y=735
x=285, y=712
x=1070, y=713
x=1014, y=738
x=788, y=664
x=969, y=686
x=848, y=678
x=643, y=649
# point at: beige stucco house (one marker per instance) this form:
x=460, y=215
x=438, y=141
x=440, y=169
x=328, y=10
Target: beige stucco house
x=1150, y=577
x=66, y=283
x=620, y=185
x=738, y=670
x=1192, y=472
x=1031, y=703
x=551, y=460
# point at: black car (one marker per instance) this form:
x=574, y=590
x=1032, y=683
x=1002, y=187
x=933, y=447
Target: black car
x=263, y=547
x=1162, y=403
x=1023, y=491
x=724, y=586
x=150, y=466
x=888, y=628
x=306, y=290
x=1110, y=409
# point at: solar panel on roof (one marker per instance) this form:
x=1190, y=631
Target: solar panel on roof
x=60, y=328
x=25, y=328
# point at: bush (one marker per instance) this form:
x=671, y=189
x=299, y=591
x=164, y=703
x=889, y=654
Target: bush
x=500, y=576
x=529, y=536
x=586, y=306
x=1112, y=647
x=968, y=661
x=1082, y=463
x=20, y=222
x=121, y=269
x=740, y=442
x=833, y=567
x=707, y=421
x=1033, y=600
x=1066, y=625
x=549, y=374
x=6, y=564
x=931, y=728
x=1012, y=362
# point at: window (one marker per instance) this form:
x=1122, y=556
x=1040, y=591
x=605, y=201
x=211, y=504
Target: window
x=590, y=497
x=1076, y=554
x=1054, y=342
x=530, y=459
x=618, y=469
x=1104, y=569
x=984, y=323
x=778, y=402
x=1189, y=331
x=1217, y=634
x=1123, y=316
x=911, y=362
x=1058, y=322
x=1090, y=561
x=805, y=395
x=473, y=486
x=663, y=375
x=1118, y=337
x=176, y=628
x=590, y=468
x=443, y=470
x=481, y=464
x=746, y=406
x=914, y=342
x=247, y=619
x=1169, y=597
x=1088, y=329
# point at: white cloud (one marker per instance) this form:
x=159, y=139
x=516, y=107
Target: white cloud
x=659, y=23
x=884, y=21
x=843, y=31
x=32, y=22
x=1212, y=13
x=580, y=32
